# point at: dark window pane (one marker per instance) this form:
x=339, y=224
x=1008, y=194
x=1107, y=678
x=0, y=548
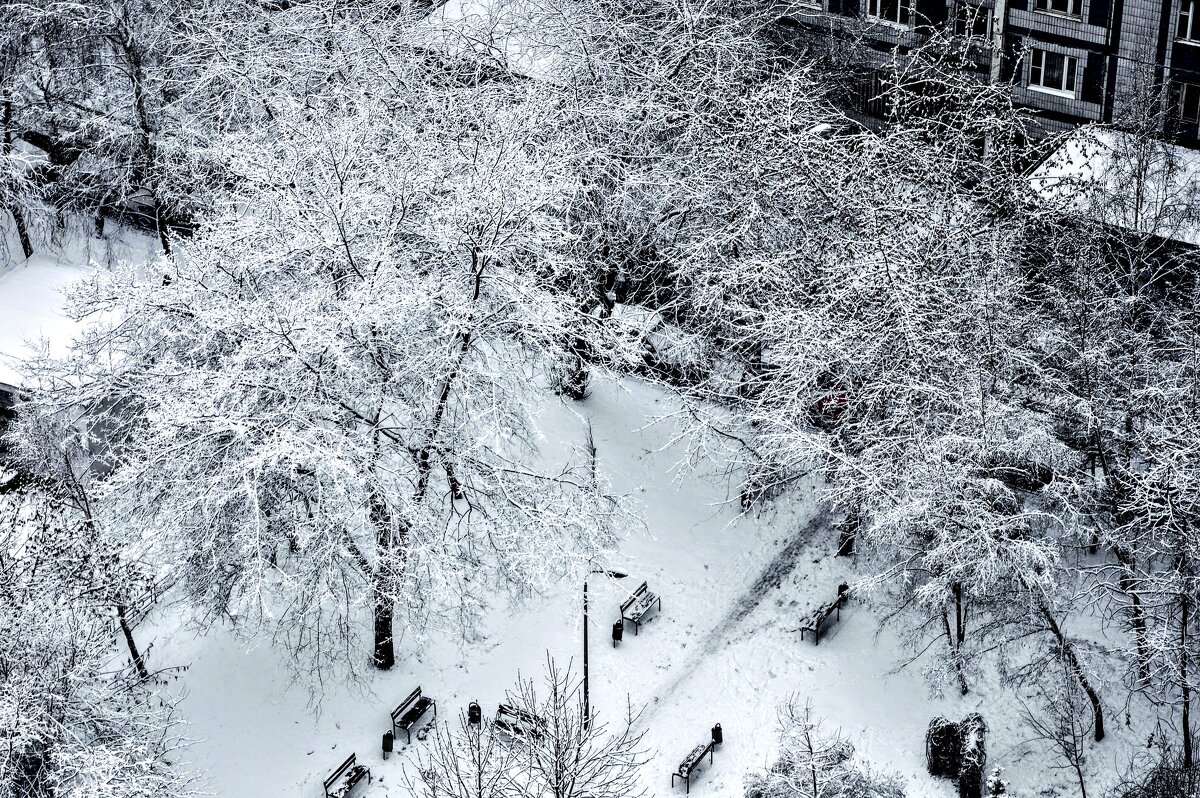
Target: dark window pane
x=1054, y=70
x=1189, y=96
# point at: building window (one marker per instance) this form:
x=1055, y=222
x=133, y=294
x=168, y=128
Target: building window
x=1189, y=21
x=973, y=21
x=1052, y=72
x=896, y=12
x=1069, y=8
x=1188, y=99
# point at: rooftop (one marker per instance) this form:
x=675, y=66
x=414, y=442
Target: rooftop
x=1144, y=186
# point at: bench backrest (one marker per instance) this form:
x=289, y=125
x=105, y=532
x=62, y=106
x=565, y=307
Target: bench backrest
x=412, y=697
x=520, y=715
x=633, y=597
x=337, y=774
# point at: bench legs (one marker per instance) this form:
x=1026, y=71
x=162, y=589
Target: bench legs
x=687, y=783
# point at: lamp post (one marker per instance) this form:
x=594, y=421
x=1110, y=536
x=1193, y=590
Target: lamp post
x=587, y=708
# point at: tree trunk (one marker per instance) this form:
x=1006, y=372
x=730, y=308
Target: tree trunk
x=147, y=133
x=22, y=231
x=1068, y=653
x=1138, y=620
x=384, y=655
x=13, y=208
x=960, y=620
x=1186, y=697
x=954, y=652
x=138, y=663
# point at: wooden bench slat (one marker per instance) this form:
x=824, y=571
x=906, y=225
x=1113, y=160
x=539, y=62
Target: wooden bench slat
x=639, y=603
x=410, y=710
x=348, y=774
x=518, y=721
x=818, y=616
x=690, y=762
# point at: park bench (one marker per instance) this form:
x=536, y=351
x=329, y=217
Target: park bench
x=345, y=777
x=690, y=762
x=518, y=722
x=822, y=614
x=411, y=710
x=638, y=604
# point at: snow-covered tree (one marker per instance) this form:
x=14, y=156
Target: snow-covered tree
x=467, y=761
x=73, y=721
x=574, y=753
x=565, y=752
x=325, y=408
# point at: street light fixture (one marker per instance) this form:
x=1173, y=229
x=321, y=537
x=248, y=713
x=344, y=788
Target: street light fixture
x=587, y=708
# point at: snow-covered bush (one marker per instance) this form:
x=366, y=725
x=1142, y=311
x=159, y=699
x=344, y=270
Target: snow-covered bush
x=812, y=763
x=567, y=753
x=974, y=756
x=943, y=748
x=996, y=785
x=1164, y=777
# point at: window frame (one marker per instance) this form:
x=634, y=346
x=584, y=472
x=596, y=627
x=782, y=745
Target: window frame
x=1045, y=7
x=965, y=12
x=1184, y=90
x=1070, y=73
x=904, y=13
x=1187, y=22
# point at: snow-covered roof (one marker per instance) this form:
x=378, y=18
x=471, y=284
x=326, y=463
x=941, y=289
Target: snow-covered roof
x=636, y=318
x=1097, y=172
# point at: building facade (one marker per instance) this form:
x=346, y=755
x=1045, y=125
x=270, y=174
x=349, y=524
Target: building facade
x=1070, y=61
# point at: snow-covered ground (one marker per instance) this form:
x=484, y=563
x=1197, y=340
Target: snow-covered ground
x=31, y=290
x=725, y=647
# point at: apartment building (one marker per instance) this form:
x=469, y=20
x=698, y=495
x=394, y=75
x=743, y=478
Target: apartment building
x=1070, y=61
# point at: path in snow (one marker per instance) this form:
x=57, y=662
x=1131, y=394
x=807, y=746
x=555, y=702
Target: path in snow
x=771, y=578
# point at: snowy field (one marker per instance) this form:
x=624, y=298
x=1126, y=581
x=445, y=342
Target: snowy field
x=32, y=317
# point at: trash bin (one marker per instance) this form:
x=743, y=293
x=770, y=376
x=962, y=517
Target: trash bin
x=388, y=744
x=618, y=631
x=717, y=735
x=474, y=714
